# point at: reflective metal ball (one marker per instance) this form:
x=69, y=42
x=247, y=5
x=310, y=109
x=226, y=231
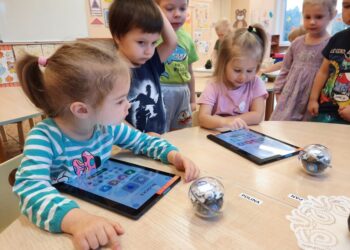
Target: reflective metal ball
x=207, y=197
x=315, y=159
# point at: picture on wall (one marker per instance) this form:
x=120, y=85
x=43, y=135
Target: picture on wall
x=95, y=7
x=8, y=76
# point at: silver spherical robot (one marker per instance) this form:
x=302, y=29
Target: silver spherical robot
x=315, y=158
x=207, y=197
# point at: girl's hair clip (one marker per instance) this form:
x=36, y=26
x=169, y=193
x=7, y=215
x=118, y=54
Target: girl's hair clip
x=251, y=29
x=42, y=61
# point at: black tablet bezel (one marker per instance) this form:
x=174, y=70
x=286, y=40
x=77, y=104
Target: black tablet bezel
x=249, y=156
x=113, y=205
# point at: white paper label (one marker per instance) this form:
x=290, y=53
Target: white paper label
x=295, y=197
x=250, y=198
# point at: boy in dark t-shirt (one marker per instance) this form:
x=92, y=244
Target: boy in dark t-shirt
x=330, y=96
x=136, y=26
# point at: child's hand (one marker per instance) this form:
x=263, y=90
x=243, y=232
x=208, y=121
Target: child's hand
x=344, y=113
x=184, y=164
x=90, y=231
x=236, y=123
x=312, y=107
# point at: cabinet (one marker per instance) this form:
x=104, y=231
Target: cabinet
x=275, y=45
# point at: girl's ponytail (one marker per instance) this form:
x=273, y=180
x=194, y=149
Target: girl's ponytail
x=259, y=31
x=32, y=81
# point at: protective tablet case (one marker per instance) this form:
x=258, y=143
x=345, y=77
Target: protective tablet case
x=251, y=157
x=119, y=207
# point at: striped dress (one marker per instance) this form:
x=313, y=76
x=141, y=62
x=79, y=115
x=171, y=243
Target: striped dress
x=50, y=157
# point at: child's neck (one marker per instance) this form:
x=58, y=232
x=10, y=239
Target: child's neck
x=75, y=128
x=130, y=63
x=316, y=38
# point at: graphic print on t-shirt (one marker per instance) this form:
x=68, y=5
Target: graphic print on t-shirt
x=175, y=60
x=337, y=87
x=144, y=104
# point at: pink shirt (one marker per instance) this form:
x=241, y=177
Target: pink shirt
x=231, y=102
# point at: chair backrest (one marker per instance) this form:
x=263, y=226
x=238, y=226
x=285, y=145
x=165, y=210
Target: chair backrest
x=9, y=208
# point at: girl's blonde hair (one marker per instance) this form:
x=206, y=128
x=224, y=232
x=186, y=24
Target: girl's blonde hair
x=80, y=71
x=223, y=25
x=295, y=33
x=331, y=5
x=242, y=43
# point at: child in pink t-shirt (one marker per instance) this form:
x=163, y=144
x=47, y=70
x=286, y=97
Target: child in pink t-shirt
x=236, y=97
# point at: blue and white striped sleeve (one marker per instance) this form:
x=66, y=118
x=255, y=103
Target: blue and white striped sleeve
x=39, y=200
x=141, y=143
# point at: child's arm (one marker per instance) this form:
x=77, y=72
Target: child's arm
x=154, y=147
x=256, y=112
x=45, y=206
x=166, y=48
x=207, y=120
x=192, y=87
x=272, y=68
x=317, y=86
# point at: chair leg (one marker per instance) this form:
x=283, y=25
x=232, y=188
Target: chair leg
x=2, y=152
x=3, y=133
x=31, y=123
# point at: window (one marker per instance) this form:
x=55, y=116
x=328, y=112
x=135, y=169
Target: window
x=292, y=18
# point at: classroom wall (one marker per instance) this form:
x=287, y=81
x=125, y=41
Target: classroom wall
x=52, y=20
x=42, y=20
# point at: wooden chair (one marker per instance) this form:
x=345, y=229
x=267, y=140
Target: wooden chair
x=9, y=208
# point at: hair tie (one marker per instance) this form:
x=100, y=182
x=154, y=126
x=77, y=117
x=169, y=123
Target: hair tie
x=251, y=29
x=42, y=61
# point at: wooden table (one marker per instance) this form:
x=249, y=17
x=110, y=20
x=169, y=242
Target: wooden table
x=172, y=224
x=15, y=108
x=202, y=77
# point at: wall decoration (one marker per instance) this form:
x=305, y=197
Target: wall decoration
x=96, y=21
x=201, y=16
x=95, y=8
x=105, y=15
x=240, y=19
x=8, y=76
x=98, y=26
x=264, y=17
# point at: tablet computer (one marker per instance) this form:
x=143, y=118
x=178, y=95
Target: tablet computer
x=123, y=187
x=255, y=146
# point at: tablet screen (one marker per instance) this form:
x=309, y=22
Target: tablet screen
x=256, y=146
x=127, y=185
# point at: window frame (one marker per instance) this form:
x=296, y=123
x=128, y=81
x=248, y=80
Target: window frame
x=280, y=20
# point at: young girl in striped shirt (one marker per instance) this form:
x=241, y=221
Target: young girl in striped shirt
x=83, y=89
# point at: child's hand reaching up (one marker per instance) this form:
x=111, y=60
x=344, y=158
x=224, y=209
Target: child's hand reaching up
x=184, y=164
x=90, y=231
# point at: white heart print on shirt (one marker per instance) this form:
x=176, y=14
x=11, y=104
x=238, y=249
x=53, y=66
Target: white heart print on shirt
x=242, y=106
